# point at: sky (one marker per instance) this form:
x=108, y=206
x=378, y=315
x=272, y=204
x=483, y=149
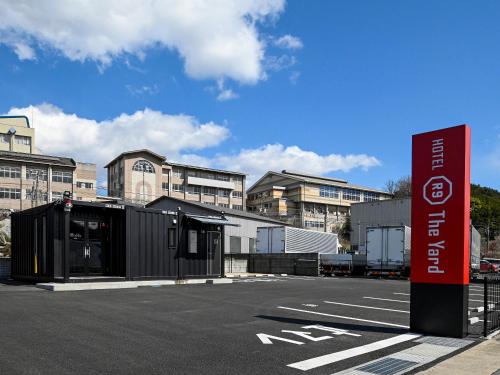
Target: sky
x=333, y=88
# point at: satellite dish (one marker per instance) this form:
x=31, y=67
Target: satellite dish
x=12, y=131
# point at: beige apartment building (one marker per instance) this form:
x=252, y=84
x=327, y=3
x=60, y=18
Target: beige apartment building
x=29, y=180
x=305, y=201
x=142, y=176
x=16, y=134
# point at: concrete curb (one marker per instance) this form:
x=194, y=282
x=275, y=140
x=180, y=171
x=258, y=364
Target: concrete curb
x=58, y=287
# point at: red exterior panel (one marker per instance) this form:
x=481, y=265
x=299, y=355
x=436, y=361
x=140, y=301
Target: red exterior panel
x=441, y=206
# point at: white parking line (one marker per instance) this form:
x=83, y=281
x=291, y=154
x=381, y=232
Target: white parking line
x=353, y=352
x=343, y=317
x=472, y=294
x=403, y=294
x=386, y=299
x=366, y=307
x=475, y=300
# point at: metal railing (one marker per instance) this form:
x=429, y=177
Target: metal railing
x=491, y=304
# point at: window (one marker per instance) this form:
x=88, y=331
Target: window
x=351, y=195
x=235, y=245
x=32, y=195
x=10, y=193
x=60, y=176
x=84, y=185
x=178, y=172
x=77, y=230
x=4, y=138
x=194, y=189
x=207, y=175
x=33, y=173
x=164, y=186
x=172, y=237
x=237, y=207
x=193, y=241
x=22, y=140
x=329, y=192
x=224, y=193
x=207, y=190
x=223, y=177
x=236, y=178
x=237, y=194
x=143, y=166
x=10, y=172
x=56, y=195
x=178, y=187
x=314, y=224
x=370, y=197
x=225, y=205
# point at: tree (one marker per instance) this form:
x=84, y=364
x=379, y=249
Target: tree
x=400, y=188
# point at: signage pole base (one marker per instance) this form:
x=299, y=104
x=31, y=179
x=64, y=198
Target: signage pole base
x=439, y=309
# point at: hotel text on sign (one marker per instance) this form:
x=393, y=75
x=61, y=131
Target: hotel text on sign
x=440, y=206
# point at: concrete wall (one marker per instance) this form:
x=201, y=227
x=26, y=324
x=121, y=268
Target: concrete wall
x=392, y=212
x=4, y=268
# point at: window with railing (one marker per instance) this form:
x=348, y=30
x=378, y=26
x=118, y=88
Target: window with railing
x=22, y=140
x=10, y=193
x=10, y=172
x=208, y=190
x=62, y=176
x=237, y=194
x=34, y=173
x=351, y=195
x=329, y=192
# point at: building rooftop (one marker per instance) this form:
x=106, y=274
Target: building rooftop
x=204, y=168
x=162, y=158
x=22, y=118
x=37, y=158
x=217, y=209
x=317, y=180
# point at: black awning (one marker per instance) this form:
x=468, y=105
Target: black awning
x=217, y=220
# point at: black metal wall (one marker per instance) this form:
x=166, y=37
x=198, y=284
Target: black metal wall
x=147, y=244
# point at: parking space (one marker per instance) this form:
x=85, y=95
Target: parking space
x=292, y=325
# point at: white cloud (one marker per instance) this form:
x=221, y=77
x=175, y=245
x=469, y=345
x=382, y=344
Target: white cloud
x=276, y=157
x=64, y=134
x=277, y=63
x=226, y=95
x=216, y=39
x=142, y=90
x=294, y=77
x=289, y=42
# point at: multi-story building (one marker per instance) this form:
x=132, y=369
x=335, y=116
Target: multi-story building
x=305, y=201
x=28, y=180
x=16, y=134
x=142, y=176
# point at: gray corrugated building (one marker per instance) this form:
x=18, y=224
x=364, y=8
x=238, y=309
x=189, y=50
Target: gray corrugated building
x=391, y=212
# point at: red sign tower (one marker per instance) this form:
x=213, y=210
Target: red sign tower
x=440, y=232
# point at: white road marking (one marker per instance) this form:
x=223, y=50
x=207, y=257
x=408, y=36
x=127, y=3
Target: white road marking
x=473, y=294
x=353, y=352
x=366, y=307
x=344, y=317
x=309, y=305
x=475, y=300
x=266, y=339
x=386, y=299
x=335, y=331
x=403, y=294
x=307, y=335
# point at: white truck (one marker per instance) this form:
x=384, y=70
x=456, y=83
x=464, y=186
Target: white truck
x=284, y=239
x=388, y=250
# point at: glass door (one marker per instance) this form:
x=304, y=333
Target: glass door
x=86, y=255
x=213, y=248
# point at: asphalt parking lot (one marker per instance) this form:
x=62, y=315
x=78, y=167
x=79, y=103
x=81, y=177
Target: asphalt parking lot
x=280, y=325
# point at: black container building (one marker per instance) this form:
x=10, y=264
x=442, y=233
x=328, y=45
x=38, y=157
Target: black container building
x=111, y=241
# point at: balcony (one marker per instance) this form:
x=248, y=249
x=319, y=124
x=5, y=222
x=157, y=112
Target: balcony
x=212, y=183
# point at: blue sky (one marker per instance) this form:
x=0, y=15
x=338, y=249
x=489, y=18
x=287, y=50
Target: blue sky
x=325, y=87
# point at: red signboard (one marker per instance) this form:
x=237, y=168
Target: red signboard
x=441, y=206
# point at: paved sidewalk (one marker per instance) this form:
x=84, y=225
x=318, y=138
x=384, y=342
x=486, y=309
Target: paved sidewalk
x=480, y=359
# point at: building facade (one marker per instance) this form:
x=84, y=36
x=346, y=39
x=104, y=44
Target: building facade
x=142, y=176
x=16, y=134
x=29, y=180
x=305, y=201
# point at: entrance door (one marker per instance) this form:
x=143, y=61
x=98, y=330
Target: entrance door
x=86, y=255
x=213, y=249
